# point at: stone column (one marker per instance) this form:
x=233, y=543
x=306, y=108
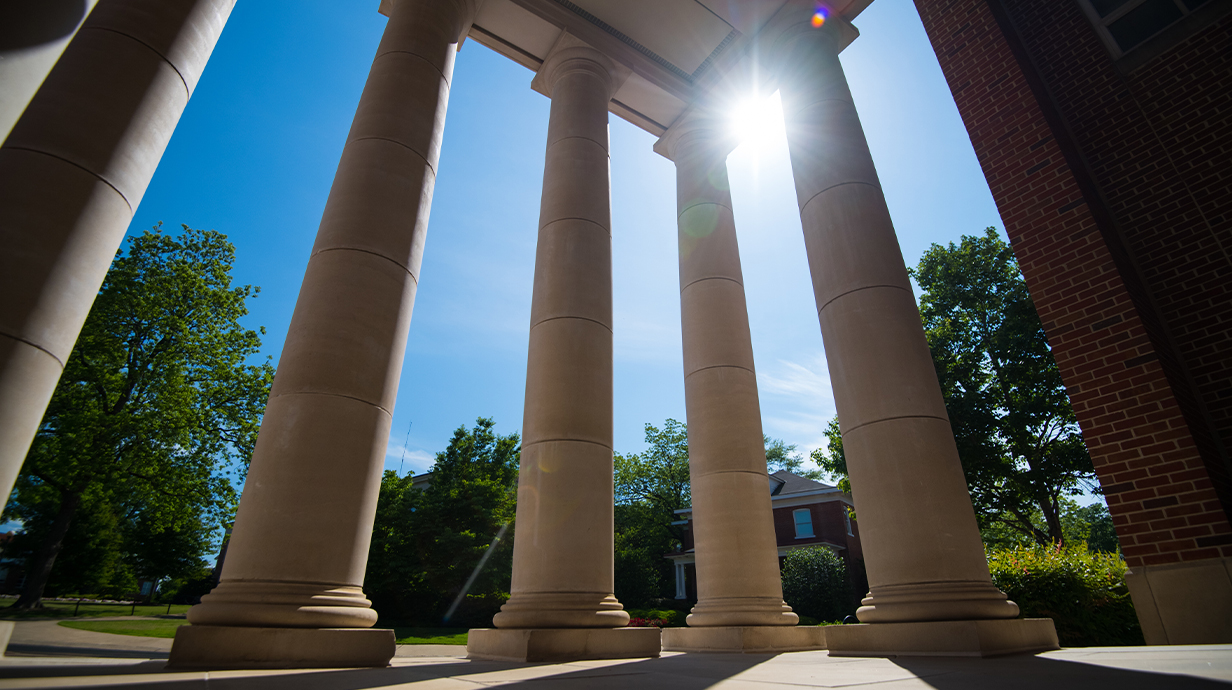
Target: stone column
x=72, y=171
x=562, y=552
x=738, y=584
x=299, y=547
x=922, y=547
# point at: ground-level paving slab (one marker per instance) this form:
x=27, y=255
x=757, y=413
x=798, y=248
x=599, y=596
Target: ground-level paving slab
x=49, y=638
x=1111, y=668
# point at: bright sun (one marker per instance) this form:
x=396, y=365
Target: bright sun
x=757, y=120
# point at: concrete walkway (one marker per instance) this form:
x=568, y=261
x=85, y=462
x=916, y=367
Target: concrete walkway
x=48, y=638
x=1111, y=668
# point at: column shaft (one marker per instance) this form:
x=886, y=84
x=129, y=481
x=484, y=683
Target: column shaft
x=922, y=547
x=738, y=582
x=562, y=554
x=300, y=544
x=72, y=172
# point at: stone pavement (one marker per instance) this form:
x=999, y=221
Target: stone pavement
x=1113, y=668
x=47, y=638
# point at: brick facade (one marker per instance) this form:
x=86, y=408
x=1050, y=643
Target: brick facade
x=829, y=526
x=1115, y=193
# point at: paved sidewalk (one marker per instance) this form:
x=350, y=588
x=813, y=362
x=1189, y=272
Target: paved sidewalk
x=48, y=638
x=1207, y=667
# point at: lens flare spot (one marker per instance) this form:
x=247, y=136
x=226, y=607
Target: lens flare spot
x=818, y=20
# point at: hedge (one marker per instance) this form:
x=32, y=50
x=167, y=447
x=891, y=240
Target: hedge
x=1083, y=592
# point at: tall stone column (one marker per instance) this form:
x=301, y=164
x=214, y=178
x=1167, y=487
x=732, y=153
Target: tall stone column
x=739, y=590
x=72, y=172
x=296, y=560
x=922, y=547
x=561, y=597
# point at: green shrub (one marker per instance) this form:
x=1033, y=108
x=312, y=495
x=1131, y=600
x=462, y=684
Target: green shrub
x=816, y=584
x=670, y=618
x=1084, y=593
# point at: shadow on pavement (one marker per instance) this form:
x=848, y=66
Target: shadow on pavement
x=1035, y=672
x=21, y=649
x=681, y=672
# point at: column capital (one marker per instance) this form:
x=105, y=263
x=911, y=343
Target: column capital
x=794, y=22
x=697, y=132
x=570, y=55
x=466, y=9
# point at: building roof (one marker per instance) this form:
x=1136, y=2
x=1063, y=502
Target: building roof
x=783, y=483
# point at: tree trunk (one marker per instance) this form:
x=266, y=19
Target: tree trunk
x=1052, y=518
x=39, y=569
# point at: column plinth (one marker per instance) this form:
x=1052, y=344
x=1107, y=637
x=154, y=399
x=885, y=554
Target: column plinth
x=299, y=547
x=740, y=595
x=922, y=546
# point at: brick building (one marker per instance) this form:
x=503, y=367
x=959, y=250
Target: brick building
x=1104, y=128
x=806, y=513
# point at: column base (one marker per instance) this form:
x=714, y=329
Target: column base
x=562, y=644
x=6, y=631
x=978, y=638
x=750, y=639
x=1183, y=603
x=227, y=647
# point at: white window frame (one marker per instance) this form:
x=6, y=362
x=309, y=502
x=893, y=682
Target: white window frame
x=796, y=522
x=1101, y=23
x=847, y=517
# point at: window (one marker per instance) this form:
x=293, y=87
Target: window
x=847, y=517
x=1126, y=24
x=804, y=523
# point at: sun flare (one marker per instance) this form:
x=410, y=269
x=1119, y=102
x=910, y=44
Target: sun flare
x=757, y=120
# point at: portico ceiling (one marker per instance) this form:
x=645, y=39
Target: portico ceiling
x=676, y=49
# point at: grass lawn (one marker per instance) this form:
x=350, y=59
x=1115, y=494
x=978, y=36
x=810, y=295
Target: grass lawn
x=166, y=628
x=159, y=628
x=430, y=635
x=62, y=609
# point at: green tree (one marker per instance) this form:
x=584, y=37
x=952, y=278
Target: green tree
x=1017, y=436
x=157, y=406
x=650, y=487
x=427, y=544
x=781, y=456
x=815, y=584
x=831, y=459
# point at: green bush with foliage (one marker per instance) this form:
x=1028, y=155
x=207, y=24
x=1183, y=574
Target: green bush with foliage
x=1083, y=592
x=668, y=617
x=816, y=584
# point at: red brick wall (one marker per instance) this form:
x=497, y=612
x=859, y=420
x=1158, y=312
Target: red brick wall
x=828, y=526
x=1146, y=389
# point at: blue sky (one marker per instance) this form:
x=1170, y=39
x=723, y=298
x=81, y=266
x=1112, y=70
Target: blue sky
x=255, y=153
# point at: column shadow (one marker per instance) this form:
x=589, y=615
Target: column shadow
x=1035, y=672
x=30, y=23
x=677, y=672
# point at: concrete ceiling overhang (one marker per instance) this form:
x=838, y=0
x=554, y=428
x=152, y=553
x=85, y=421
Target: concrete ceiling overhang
x=677, y=51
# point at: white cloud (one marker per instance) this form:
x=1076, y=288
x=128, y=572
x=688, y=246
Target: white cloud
x=415, y=461
x=797, y=401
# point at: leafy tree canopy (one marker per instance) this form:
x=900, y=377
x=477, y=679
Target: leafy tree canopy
x=156, y=410
x=1017, y=435
x=427, y=544
x=650, y=486
x=781, y=456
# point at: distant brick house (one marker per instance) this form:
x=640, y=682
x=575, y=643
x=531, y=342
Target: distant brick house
x=806, y=513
